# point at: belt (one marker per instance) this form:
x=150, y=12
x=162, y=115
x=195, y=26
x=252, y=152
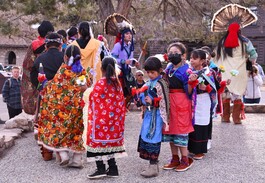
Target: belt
x=176, y=91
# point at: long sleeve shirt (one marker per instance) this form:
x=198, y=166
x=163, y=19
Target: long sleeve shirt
x=253, y=87
x=51, y=61
x=122, y=55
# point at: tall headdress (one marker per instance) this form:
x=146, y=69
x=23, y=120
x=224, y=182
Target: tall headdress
x=117, y=25
x=232, y=13
x=232, y=18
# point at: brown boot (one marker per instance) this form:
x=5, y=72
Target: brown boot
x=46, y=154
x=226, y=111
x=238, y=111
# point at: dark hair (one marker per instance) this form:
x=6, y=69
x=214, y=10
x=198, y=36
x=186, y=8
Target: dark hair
x=84, y=30
x=44, y=28
x=74, y=51
x=179, y=45
x=62, y=33
x=229, y=51
x=72, y=31
x=198, y=53
x=51, y=36
x=208, y=50
x=108, y=66
x=152, y=64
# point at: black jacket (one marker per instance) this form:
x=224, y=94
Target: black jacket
x=51, y=61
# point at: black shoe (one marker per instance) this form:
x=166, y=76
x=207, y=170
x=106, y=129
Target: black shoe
x=100, y=172
x=112, y=171
x=97, y=174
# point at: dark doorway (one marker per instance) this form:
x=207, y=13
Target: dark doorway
x=11, y=58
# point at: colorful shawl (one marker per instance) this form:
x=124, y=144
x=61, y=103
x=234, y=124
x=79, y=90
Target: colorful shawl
x=60, y=119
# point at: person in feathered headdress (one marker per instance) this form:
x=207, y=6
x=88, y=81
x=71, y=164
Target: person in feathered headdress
x=123, y=51
x=233, y=52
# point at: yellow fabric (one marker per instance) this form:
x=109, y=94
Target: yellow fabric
x=237, y=62
x=90, y=57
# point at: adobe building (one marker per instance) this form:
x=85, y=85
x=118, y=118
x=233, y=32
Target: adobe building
x=12, y=50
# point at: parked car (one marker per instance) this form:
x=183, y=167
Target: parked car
x=1, y=67
x=8, y=68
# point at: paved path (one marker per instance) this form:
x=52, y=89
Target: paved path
x=237, y=155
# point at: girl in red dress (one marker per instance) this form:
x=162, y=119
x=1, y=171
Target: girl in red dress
x=106, y=115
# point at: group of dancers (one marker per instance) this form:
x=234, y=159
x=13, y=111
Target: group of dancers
x=83, y=95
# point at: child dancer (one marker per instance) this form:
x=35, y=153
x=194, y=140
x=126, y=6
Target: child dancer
x=204, y=102
x=155, y=98
x=180, y=124
x=220, y=87
x=106, y=115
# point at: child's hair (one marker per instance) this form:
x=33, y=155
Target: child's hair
x=208, y=50
x=108, y=65
x=153, y=64
x=255, y=69
x=198, y=53
x=72, y=31
x=74, y=51
x=62, y=33
x=179, y=45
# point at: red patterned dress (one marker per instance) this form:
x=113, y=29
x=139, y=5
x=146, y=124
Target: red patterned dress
x=106, y=115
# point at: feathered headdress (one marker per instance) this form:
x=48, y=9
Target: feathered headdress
x=232, y=13
x=117, y=25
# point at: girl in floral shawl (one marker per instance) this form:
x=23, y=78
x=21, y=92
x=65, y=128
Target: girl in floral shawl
x=60, y=119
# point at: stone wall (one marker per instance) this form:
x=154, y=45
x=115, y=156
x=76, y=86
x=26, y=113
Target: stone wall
x=19, y=52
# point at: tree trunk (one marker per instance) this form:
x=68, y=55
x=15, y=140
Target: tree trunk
x=106, y=8
x=124, y=7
